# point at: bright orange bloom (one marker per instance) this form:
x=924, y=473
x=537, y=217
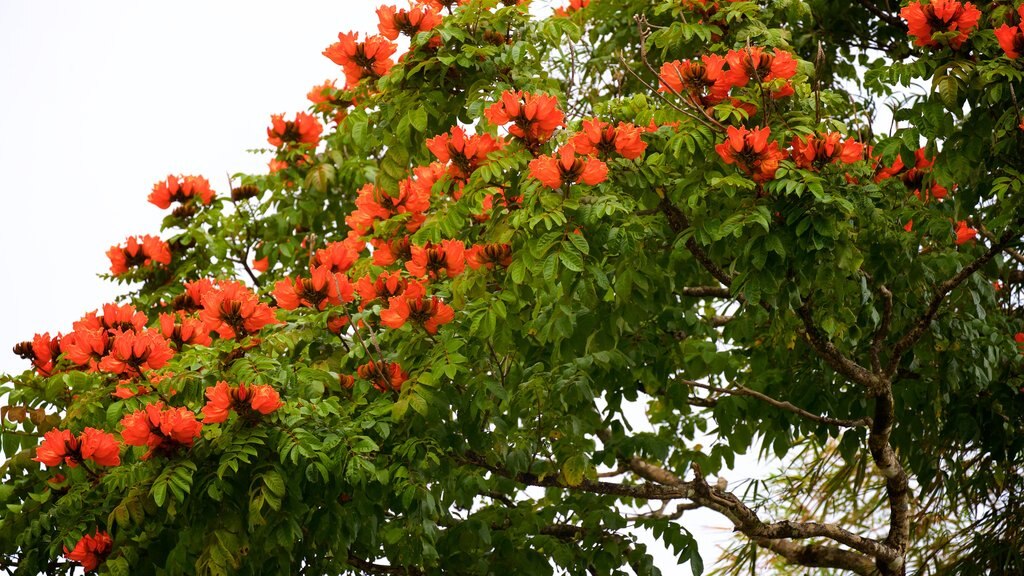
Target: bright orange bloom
x=431, y=313
x=566, y=168
x=756, y=64
x=386, y=253
x=488, y=255
x=395, y=21
x=326, y=98
x=181, y=330
x=138, y=251
x=964, y=233
x=464, y=153
x=192, y=299
x=42, y=351
x=1011, y=38
x=321, y=289
x=704, y=81
x=85, y=348
x=372, y=57
x=336, y=256
x=260, y=264
x=305, y=129
x=924, y=20
x=161, y=430
x=751, y=152
x=383, y=375
x=914, y=177
x=62, y=446
x=573, y=7
x=534, y=117
x=180, y=189
x=245, y=399
x=132, y=353
x=380, y=205
x=601, y=138
x=115, y=316
x=449, y=257
x=233, y=310
x=91, y=550
x=386, y=285
x=815, y=152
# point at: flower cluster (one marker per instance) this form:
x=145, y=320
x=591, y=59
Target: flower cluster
x=816, y=151
x=369, y=58
x=91, y=550
x=161, y=430
x=231, y=310
x=116, y=342
x=94, y=445
x=708, y=81
x=751, y=152
x=533, y=117
x=304, y=130
x=1011, y=38
x=419, y=18
x=245, y=399
x=138, y=251
x=181, y=189
x=927, y=18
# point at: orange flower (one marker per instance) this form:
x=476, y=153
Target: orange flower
x=62, y=446
x=305, y=129
x=386, y=285
x=321, y=289
x=372, y=57
x=601, y=138
x=159, y=429
x=91, y=550
x=386, y=253
x=261, y=264
x=816, y=152
x=181, y=330
x=378, y=204
x=132, y=353
x=431, y=313
x=395, y=21
x=566, y=168
x=449, y=257
x=85, y=348
x=1011, y=38
x=534, y=117
x=336, y=256
x=233, y=310
x=180, y=189
x=464, y=153
x=488, y=255
x=756, y=64
x=192, y=299
x=924, y=20
x=42, y=351
x=383, y=375
x=751, y=152
x=138, y=251
x=246, y=399
x=964, y=233
x=573, y=7
x=704, y=81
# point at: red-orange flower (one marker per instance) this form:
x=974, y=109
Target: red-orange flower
x=964, y=233
x=751, y=152
x=449, y=257
x=387, y=252
x=180, y=189
x=465, y=153
x=138, y=251
x=233, y=310
x=534, y=117
x=336, y=256
x=245, y=399
x=431, y=313
x=383, y=375
x=159, y=429
x=601, y=138
x=488, y=255
x=372, y=57
x=936, y=16
x=305, y=129
x=567, y=168
x=573, y=7
x=815, y=152
x=181, y=330
x=704, y=81
x=321, y=289
x=1011, y=38
x=132, y=353
x=192, y=299
x=386, y=285
x=91, y=550
x=62, y=446
x=754, y=63
x=395, y=21
x=85, y=347
x=378, y=204
x=42, y=351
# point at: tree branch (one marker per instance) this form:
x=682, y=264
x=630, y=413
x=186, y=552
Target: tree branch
x=740, y=390
x=705, y=291
x=828, y=351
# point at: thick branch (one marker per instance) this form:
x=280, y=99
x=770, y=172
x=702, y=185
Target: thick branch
x=678, y=222
x=828, y=351
x=705, y=291
x=897, y=487
x=820, y=556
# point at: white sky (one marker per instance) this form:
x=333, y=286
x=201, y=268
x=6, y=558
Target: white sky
x=101, y=99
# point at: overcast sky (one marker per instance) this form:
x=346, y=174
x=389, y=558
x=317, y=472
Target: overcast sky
x=101, y=99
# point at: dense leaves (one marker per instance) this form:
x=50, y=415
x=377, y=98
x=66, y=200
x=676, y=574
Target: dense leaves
x=508, y=299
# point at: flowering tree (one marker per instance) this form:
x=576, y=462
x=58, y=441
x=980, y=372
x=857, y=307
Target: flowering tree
x=422, y=341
